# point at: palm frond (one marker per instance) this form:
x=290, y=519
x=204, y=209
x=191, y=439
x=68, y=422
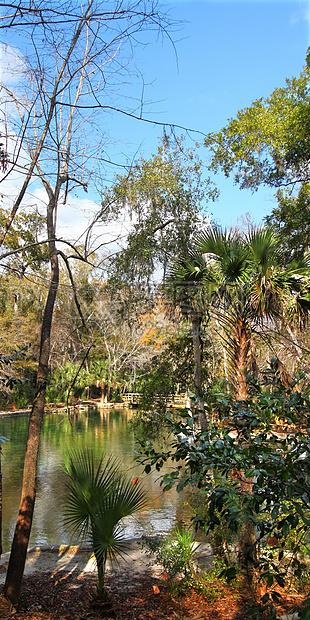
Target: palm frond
x=226, y=252
x=262, y=245
x=99, y=497
x=216, y=242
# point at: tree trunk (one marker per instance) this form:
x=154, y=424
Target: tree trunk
x=241, y=339
x=20, y=542
x=0, y=505
x=104, y=393
x=196, y=322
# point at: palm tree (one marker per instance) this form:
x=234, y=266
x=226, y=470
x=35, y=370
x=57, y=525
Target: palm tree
x=184, y=285
x=248, y=285
x=99, y=497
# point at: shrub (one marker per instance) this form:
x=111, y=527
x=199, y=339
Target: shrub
x=175, y=552
x=249, y=474
x=99, y=497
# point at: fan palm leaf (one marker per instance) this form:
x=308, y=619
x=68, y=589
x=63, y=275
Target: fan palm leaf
x=247, y=283
x=227, y=252
x=99, y=497
x=84, y=483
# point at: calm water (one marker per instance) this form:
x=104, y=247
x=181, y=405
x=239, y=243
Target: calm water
x=105, y=431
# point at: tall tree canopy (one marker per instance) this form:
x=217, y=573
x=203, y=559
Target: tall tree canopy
x=268, y=142
x=165, y=198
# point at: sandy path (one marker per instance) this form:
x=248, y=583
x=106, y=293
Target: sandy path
x=78, y=560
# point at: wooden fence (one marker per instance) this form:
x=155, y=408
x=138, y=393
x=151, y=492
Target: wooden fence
x=174, y=400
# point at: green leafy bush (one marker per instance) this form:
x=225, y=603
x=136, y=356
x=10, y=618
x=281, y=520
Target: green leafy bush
x=175, y=552
x=249, y=473
x=99, y=497
x=61, y=380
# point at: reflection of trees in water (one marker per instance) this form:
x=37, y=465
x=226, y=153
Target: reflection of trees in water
x=104, y=431
x=15, y=428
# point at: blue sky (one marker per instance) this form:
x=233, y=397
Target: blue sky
x=229, y=54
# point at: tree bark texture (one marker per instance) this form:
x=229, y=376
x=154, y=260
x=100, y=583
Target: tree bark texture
x=241, y=343
x=13, y=583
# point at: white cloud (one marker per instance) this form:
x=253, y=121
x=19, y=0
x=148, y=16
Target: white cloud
x=73, y=218
x=12, y=65
x=300, y=14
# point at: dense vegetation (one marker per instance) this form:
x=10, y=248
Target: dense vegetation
x=177, y=306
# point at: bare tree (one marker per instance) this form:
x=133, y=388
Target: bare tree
x=74, y=57
x=98, y=39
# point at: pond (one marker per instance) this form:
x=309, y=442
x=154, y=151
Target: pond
x=104, y=430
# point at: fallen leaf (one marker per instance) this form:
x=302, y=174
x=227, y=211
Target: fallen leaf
x=165, y=576
x=235, y=474
x=156, y=589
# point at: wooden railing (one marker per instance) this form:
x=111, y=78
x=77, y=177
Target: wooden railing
x=174, y=400
x=131, y=398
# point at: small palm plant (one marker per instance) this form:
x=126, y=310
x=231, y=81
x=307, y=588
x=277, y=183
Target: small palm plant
x=99, y=497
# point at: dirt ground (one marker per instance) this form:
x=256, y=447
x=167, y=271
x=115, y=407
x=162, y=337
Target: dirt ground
x=60, y=584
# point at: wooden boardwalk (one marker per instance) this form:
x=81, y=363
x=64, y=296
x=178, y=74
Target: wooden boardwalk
x=179, y=401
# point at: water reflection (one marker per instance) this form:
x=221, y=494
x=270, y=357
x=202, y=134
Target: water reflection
x=104, y=430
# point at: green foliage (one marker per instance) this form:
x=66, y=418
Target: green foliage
x=165, y=198
x=24, y=390
x=269, y=141
x=6, y=361
x=210, y=581
x=170, y=372
x=16, y=380
x=99, y=497
x=221, y=539
x=61, y=380
x=23, y=238
x=248, y=271
x=240, y=280
x=249, y=472
x=73, y=380
x=305, y=613
x=290, y=219
x=175, y=552
x=21, y=307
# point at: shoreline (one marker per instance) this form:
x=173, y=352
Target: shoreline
x=79, y=559
x=83, y=405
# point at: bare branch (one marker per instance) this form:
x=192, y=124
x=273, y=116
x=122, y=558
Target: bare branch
x=77, y=303
x=77, y=374
x=150, y=121
x=53, y=103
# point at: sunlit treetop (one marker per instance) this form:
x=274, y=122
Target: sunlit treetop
x=166, y=199
x=268, y=142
